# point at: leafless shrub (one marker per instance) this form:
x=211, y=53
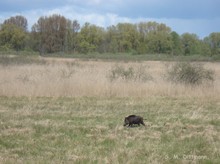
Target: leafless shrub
x=129, y=74
x=190, y=74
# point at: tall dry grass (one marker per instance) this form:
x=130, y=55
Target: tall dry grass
x=73, y=78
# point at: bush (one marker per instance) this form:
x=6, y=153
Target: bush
x=129, y=74
x=120, y=72
x=190, y=74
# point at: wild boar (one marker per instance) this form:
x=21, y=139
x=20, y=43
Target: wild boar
x=133, y=119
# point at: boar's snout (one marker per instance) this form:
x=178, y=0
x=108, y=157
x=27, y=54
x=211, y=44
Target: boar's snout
x=126, y=122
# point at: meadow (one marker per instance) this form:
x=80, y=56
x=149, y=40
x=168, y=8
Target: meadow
x=72, y=111
x=54, y=77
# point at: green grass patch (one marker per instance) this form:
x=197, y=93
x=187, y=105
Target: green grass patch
x=90, y=130
x=137, y=57
x=7, y=60
x=26, y=57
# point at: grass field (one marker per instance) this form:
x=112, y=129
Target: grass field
x=90, y=130
x=70, y=111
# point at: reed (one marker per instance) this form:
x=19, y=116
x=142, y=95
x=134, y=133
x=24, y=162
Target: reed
x=71, y=78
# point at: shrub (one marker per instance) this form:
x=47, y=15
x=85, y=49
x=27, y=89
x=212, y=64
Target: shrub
x=129, y=74
x=121, y=72
x=190, y=73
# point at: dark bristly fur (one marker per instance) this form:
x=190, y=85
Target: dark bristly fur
x=133, y=119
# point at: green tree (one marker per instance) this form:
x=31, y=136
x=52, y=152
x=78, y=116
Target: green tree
x=51, y=33
x=158, y=38
x=143, y=31
x=159, y=42
x=112, y=39
x=213, y=40
x=90, y=38
x=75, y=31
x=176, y=43
x=19, y=21
x=190, y=44
x=127, y=37
x=72, y=31
x=205, y=48
x=12, y=37
x=154, y=38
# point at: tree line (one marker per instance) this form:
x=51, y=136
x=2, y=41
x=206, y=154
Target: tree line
x=55, y=33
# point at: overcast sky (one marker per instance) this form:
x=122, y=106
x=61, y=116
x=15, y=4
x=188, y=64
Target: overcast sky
x=194, y=16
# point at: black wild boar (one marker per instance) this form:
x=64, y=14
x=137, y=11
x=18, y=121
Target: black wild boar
x=133, y=119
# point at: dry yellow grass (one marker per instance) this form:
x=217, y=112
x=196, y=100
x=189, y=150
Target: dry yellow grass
x=182, y=122
x=74, y=78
